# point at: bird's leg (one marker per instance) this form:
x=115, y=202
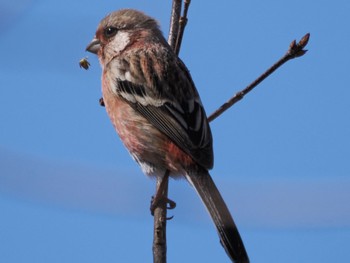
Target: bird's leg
x=160, y=198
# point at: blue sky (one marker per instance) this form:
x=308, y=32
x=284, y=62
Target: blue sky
x=69, y=192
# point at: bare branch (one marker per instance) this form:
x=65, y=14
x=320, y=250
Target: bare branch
x=160, y=218
x=182, y=25
x=174, y=22
x=160, y=211
x=176, y=31
x=295, y=50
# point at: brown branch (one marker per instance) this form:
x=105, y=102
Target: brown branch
x=174, y=23
x=160, y=218
x=176, y=31
x=295, y=50
x=160, y=211
x=182, y=25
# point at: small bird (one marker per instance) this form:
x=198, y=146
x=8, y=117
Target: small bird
x=156, y=110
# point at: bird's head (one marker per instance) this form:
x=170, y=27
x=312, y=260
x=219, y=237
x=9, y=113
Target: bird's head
x=121, y=30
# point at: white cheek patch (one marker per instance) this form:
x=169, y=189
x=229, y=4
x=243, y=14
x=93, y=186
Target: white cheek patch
x=120, y=41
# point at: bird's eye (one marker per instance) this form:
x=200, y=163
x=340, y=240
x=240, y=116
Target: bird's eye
x=110, y=32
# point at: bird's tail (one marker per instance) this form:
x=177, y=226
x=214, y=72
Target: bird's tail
x=227, y=230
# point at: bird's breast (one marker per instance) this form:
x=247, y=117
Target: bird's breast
x=153, y=150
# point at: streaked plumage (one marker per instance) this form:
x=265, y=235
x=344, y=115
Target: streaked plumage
x=156, y=110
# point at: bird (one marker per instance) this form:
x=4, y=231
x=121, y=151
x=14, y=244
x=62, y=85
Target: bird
x=156, y=110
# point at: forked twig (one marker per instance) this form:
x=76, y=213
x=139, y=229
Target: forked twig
x=182, y=25
x=160, y=211
x=176, y=31
x=295, y=50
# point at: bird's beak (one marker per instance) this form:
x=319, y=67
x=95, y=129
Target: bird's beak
x=94, y=46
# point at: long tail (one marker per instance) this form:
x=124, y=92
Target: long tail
x=226, y=227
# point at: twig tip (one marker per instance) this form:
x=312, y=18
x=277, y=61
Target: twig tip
x=297, y=49
x=305, y=39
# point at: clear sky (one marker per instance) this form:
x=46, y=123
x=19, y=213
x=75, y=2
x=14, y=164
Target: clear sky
x=69, y=192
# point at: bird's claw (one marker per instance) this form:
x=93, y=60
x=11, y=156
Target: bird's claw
x=156, y=202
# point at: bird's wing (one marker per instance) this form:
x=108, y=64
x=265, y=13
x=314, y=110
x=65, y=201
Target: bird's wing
x=169, y=100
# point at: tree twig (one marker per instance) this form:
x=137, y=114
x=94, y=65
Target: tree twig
x=176, y=31
x=174, y=23
x=160, y=211
x=295, y=50
x=182, y=25
x=160, y=219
